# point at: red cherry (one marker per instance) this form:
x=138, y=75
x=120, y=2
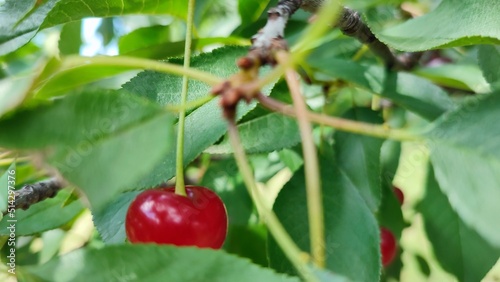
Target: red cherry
x=163, y=217
x=399, y=195
x=387, y=246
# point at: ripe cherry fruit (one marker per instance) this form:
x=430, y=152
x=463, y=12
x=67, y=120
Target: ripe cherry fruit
x=163, y=217
x=399, y=194
x=387, y=246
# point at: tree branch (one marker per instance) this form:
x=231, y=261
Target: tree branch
x=349, y=22
x=35, y=193
x=276, y=23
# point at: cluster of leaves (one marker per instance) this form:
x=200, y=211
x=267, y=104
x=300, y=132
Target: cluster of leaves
x=111, y=143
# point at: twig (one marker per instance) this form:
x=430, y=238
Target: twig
x=297, y=257
x=276, y=22
x=351, y=24
x=137, y=63
x=340, y=123
x=34, y=193
x=313, y=180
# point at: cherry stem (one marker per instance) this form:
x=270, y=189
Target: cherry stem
x=313, y=182
x=342, y=124
x=131, y=63
x=180, y=188
x=296, y=256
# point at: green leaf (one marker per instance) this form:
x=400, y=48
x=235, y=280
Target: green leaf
x=223, y=177
x=452, y=23
x=416, y=95
x=25, y=173
x=291, y=159
x=110, y=222
x=389, y=160
x=423, y=265
x=154, y=42
x=489, y=60
x=358, y=158
x=11, y=13
x=407, y=90
x=70, y=39
x=152, y=263
x=14, y=34
x=205, y=125
x=346, y=98
x=101, y=142
x=267, y=133
x=464, y=77
x=43, y=216
x=351, y=231
x=248, y=241
x=5, y=183
x=165, y=89
x=250, y=11
x=336, y=45
x=14, y=92
x=465, y=154
x=390, y=214
x=106, y=30
x=143, y=37
x=262, y=131
x=52, y=241
x=459, y=249
x=328, y=276
x=265, y=166
x=64, y=76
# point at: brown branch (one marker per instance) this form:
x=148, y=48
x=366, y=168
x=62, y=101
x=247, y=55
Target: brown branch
x=351, y=24
x=267, y=40
x=34, y=193
x=270, y=37
x=277, y=19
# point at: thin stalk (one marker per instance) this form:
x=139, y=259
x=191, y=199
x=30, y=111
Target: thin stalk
x=321, y=25
x=271, y=77
x=342, y=124
x=5, y=154
x=138, y=63
x=376, y=99
x=291, y=250
x=360, y=53
x=9, y=161
x=313, y=183
x=180, y=187
x=190, y=105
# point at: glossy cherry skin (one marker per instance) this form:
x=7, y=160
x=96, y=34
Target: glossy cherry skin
x=163, y=217
x=399, y=194
x=388, y=246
